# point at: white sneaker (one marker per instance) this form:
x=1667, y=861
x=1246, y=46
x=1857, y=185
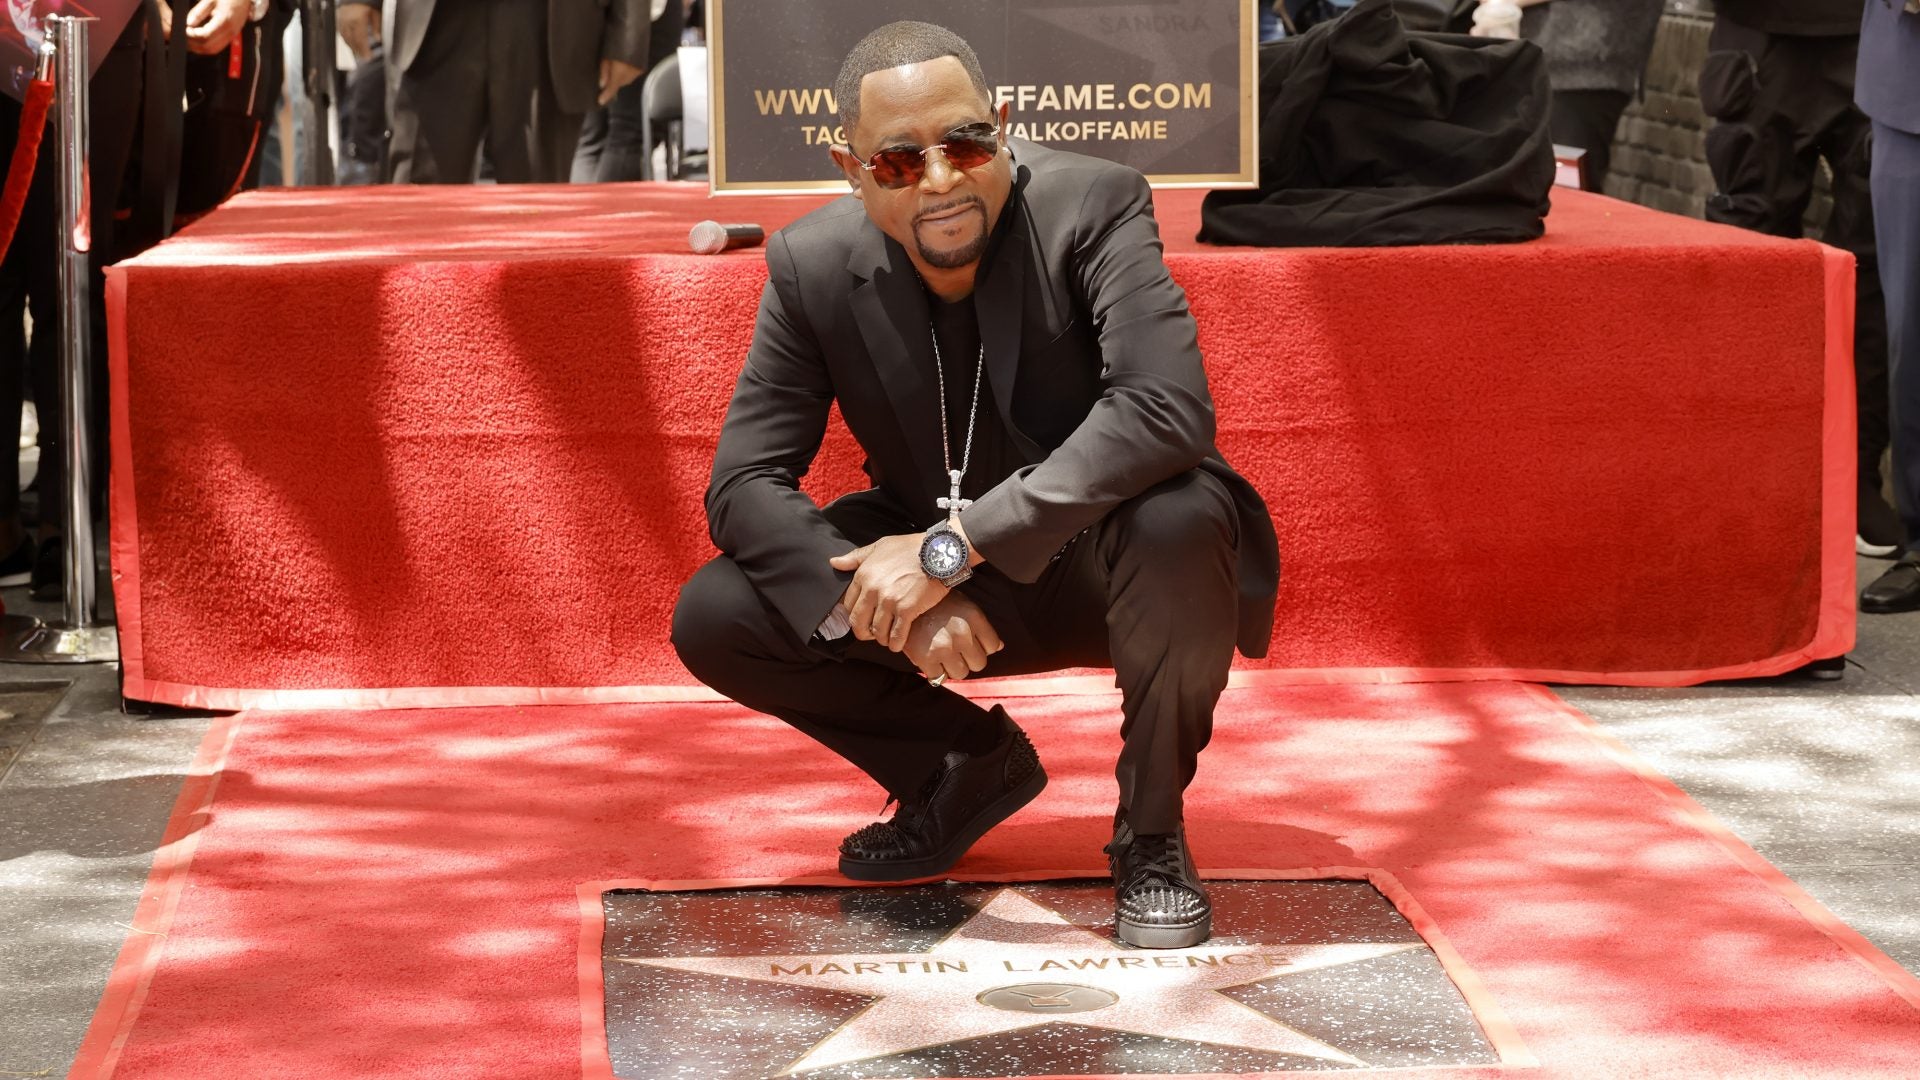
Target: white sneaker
x=1863, y=546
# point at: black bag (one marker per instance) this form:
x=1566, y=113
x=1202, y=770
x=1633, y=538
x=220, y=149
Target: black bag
x=1436, y=16
x=1371, y=136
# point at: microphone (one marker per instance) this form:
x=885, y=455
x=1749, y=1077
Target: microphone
x=712, y=238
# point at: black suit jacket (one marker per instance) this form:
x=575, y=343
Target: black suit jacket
x=1090, y=349
x=580, y=34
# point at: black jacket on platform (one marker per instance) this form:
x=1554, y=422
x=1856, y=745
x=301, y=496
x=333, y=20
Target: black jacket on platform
x=1371, y=136
x=1090, y=350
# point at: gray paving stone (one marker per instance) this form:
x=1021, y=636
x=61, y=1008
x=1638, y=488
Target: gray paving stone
x=1822, y=778
x=81, y=811
x=1875, y=899
x=22, y=710
x=54, y=961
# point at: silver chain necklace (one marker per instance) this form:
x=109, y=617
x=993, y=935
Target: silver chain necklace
x=953, y=504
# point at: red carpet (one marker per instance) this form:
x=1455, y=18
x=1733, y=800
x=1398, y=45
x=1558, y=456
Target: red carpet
x=449, y=445
x=393, y=895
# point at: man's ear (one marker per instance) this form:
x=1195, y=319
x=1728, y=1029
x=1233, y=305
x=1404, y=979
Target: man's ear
x=849, y=165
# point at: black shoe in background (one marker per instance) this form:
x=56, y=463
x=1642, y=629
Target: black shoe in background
x=966, y=795
x=17, y=568
x=1159, y=902
x=1896, y=590
x=50, y=569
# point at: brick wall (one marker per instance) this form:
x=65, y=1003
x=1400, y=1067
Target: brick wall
x=1659, y=156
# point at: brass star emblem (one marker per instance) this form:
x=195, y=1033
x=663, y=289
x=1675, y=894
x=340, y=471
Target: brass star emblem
x=1016, y=964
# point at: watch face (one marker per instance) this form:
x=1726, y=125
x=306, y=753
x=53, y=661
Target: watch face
x=943, y=555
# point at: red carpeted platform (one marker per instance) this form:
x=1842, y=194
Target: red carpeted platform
x=447, y=446
x=394, y=895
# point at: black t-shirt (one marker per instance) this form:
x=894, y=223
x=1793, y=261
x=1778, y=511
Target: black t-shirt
x=956, y=327
x=1807, y=18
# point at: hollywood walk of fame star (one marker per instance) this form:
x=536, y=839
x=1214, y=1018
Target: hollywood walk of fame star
x=1031, y=954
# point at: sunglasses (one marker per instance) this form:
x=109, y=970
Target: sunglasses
x=966, y=147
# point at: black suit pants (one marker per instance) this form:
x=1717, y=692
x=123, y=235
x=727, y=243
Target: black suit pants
x=1588, y=119
x=29, y=278
x=481, y=72
x=1780, y=103
x=1150, y=590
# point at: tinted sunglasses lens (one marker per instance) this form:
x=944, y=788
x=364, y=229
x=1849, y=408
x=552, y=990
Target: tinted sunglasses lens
x=971, y=150
x=898, y=168
x=968, y=148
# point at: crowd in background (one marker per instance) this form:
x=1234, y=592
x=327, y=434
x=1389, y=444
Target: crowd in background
x=553, y=90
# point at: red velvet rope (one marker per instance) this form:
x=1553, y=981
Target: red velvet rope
x=26, y=154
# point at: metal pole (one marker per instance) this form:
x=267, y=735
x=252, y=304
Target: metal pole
x=317, y=28
x=76, y=639
x=76, y=313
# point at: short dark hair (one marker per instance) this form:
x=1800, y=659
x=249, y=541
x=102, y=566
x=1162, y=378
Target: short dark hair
x=896, y=44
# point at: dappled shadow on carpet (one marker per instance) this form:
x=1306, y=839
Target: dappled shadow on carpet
x=393, y=894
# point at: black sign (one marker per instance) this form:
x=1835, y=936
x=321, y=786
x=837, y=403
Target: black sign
x=1165, y=86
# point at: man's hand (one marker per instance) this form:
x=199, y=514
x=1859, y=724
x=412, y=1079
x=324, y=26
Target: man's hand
x=954, y=639
x=889, y=589
x=615, y=74
x=212, y=24
x=359, y=26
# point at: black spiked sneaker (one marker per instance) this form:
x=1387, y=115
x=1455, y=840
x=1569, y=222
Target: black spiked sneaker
x=1159, y=902
x=967, y=795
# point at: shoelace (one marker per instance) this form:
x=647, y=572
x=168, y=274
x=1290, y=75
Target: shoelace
x=907, y=819
x=1157, y=860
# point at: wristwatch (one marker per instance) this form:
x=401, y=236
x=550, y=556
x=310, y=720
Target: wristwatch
x=944, y=554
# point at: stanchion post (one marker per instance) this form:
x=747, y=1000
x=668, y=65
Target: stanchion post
x=76, y=639
x=76, y=312
x=317, y=27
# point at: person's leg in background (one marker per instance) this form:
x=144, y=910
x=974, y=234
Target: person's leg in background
x=31, y=268
x=275, y=153
x=114, y=122
x=1896, y=209
x=592, y=149
x=1763, y=161
x=226, y=125
x=1846, y=145
x=1587, y=119
x=622, y=157
x=437, y=108
x=529, y=139
x=363, y=123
